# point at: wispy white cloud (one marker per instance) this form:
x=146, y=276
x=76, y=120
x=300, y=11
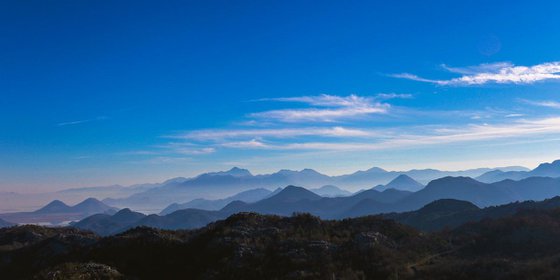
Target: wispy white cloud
x=168, y=153
x=392, y=95
x=251, y=144
x=517, y=128
x=185, y=148
x=325, y=108
x=217, y=135
x=514, y=115
x=542, y=103
x=139, y=153
x=326, y=100
x=161, y=160
x=499, y=73
x=477, y=69
x=200, y=151
x=100, y=118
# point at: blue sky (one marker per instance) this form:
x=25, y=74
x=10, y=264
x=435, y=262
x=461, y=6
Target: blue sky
x=96, y=93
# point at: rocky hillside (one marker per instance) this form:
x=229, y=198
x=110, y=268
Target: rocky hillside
x=253, y=246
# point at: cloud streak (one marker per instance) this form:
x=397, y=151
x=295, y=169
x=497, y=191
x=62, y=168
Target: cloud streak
x=325, y=108
x=542, y=103
x=100, y=118
x=498, y=73
x=518, y=128
x=205, y=135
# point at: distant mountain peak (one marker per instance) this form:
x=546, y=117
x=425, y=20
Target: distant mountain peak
x=286, y=171
x=330, y=191
x=233, y=206
x=448, y=205
x=124, y=211
x=292, y=188
x=175, y=180
x=447, y=179
x=309, y=171
x=234, y=171
x=294, y=193
x=55, y=206
x=127, y=214
x=376, y=170
x=91, y=205
x=89, y=202
x=329, y=187
x=450, y=181
x=403, y=178
x=402, y=182
x=548, y=169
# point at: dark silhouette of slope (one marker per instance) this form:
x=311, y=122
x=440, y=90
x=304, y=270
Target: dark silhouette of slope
x=181, y=219
x=461, y=188
x=104, y=224
x=444, y=213
x=4, y=224
x=451, y=213
x=523, y=245
x=206, y=204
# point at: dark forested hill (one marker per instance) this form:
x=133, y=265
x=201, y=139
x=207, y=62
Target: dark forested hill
x=252, y=246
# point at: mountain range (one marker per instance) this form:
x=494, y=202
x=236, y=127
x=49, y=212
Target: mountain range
x=543, y=170
x=215, y=185
x=57, y=212
x=293, y=199
x=330, y=191
x=206, y=204
x=452, y=213
x=26, y=202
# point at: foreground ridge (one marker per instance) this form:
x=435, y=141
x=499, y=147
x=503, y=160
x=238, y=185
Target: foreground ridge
x=253, y=246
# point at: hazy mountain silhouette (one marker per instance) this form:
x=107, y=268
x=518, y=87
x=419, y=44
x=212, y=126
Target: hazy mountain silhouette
x=26, y=202
x=88, y=206
x=105, y=224
x=371, y=201
x=58, y=212
x=206, y=204
x=209, y=185
x=330, y=191
x=4, y=224
x=543, y=170
x=125, y=219
x=447, y=201
x=91, y=205
x=235, y=171
x=451, y=213
x=181, y=219
x=55, y=206
x=402, y=182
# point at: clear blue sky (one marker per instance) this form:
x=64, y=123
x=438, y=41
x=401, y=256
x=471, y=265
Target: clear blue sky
x=101, y=92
